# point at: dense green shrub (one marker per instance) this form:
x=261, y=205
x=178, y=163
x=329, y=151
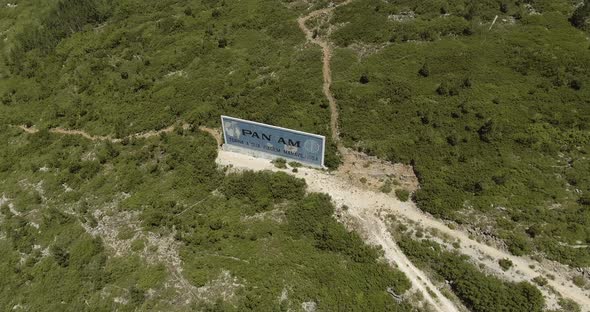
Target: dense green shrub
x=487, y=129
x=280, y=163
x=63, y=20
x=505, y=264
x=580, y=17
x=540, y=280
x=402, y=194
x=579, y=281
x=263, y=189
x=308, y=248
x=479, y=292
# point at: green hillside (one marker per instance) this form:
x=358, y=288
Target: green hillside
x=495, y=122
x=494, y=119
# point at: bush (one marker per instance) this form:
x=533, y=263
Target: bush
x=504, y=8
x=386, y=187
x=540, y=280
x=61, y=256
x=280, y=163
x=402, y=194
x=424, y=71
x=518, y=244
x=263, y=188
x=576, y=85
x=569, y=305
x=442, y=89
x=581, y=15
x=364, y=79
x=505, y=264
x=579, y=281
x=136, y=295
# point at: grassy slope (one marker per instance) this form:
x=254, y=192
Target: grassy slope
x=507, y=139
x=117, y=77
x=307, y=253
x=134, y=66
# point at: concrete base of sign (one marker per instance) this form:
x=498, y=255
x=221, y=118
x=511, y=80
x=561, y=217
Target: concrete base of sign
x=258, y=154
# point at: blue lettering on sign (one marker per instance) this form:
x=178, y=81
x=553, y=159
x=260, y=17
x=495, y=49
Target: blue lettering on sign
x=292, y=144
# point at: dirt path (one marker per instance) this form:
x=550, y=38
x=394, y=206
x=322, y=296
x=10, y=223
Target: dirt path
x=327, y=56
x=215, y=133
x=376, y=232
x=140, y=135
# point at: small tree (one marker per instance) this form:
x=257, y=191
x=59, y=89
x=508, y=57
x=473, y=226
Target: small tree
x=485, y=131
x=222, y=43
x=581, y=15
x=467, y=83
x=576, y=84
x=443, y=89
x=540, y=280
x=504, y=8
x=402, y=195
x=505, y=264
x=280, y=163
x=364, y=79
x=424, y=70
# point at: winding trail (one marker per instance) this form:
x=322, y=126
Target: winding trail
x=140, y=135
x=327, y=57
x=374, y=227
